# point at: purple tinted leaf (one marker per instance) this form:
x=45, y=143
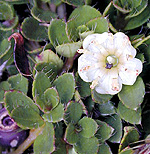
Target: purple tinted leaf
x=20, y=55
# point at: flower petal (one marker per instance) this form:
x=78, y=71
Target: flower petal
x=130, y=70
x=110, y=83
x=100, y=38
x=89, y=67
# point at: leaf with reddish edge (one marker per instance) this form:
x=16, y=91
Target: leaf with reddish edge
x=20, y=55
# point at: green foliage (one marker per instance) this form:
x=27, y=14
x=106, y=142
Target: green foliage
x=134, y=94
x=130, y=135
x=38, y=34
x=53, y=100
x=23, y=110
x=65, y=86
x=48, y=140
x=73, y=112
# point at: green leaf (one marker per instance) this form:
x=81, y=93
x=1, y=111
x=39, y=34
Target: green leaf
x=126, y=6
x=26, y=117
x=57, y=32
x=71, y=135
x=83, y=87
x=49, y=56
x=42, y=15
x=14, y=99
x=132, y=96
x=23, y=110
x=68, y=49
x=55, y=115
x=50, y=70
x=104, y=131
x=98, y=25
x=107, y=108
x=80, y=16
x=130, y=135
x=115, y=122
x=6, y=11
x=129, y=115
x=40, y=84
x=73, y=112
x=74, y=2
x=51, y=98
x=5, y=45
x=19, y=83
x=100, y=98
x=104, y=149
x=88, y=126
x=87, y=145
x=65, y=85
x=47, y=139
x=136, y=11
x=139, y=20
x=38, y=34
x=4, y=86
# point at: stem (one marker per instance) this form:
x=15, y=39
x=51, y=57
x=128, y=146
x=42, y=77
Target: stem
x=29, y=141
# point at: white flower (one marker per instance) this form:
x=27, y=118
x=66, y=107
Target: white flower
x=108, y=61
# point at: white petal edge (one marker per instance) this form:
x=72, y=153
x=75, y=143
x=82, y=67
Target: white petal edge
x=130, y=70
x=109, y=84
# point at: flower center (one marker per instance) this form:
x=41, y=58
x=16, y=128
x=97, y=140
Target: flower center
x=111, y=61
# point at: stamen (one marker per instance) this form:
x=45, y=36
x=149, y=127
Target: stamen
x=94, y=83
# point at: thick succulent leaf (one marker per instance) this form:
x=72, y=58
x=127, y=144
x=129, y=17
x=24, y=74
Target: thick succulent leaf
x=50, y=69
x=42, y=15
x=126, y=6
x=100, y=98
x=104, y=131
x=73, y=112
x=71, y=135
x=4, y=86
x=5, y=45
x=136, y=11
x=68, y=49
x=20, y=55
x=88, y=127
x=107, y=108
x=57, y=32
x=23, y=110
x=26, y=117
x=83, y=87
x=40, y=84
x=130, y=135
x=55, y=115
x=98, y=25
x=19, y=83
x=115, y=122
x=51, y=98
x=6, y=11
x=80, y=16
x=104, y=149
x=49, y=56
x=87, y=145
x=138, y=20
x=132, y=96
x=14, y=99
x=129, y=115
x=74, y=2
x=47, y=139
x=65, y=85
x=38, y=34
x=127, y=151
x=17, y=1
